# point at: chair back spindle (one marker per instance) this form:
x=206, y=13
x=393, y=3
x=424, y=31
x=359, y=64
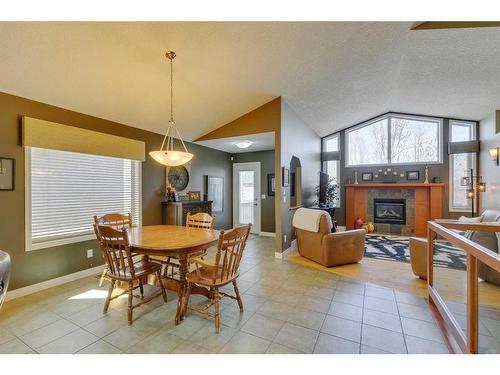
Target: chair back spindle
x=200, y=220
x=229, y=252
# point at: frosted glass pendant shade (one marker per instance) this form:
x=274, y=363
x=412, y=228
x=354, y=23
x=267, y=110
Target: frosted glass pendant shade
x=171, y=158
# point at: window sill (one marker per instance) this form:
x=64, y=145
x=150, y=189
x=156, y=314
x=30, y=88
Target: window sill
x=59, y=242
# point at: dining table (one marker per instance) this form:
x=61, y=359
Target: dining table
x=174, y=241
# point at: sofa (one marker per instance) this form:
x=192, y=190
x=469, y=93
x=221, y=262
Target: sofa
x=418, y=250
x=320, y=245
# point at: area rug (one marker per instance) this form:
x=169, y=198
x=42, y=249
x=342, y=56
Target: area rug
x=396, y=248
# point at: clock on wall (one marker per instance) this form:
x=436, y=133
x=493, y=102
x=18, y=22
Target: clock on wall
x=178, y=177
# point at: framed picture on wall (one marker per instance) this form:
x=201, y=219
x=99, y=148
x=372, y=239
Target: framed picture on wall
x=7, y=174
x=285, y=176
x=413, y=175
x=271, y=184
x=214, y=191
x=367, y=176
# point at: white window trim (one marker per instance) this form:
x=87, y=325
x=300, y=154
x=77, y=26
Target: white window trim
x=450, y=158
x=323, y=164
x=29, y=246
x=389, y=162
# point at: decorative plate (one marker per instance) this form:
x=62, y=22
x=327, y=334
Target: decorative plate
x=178, y=177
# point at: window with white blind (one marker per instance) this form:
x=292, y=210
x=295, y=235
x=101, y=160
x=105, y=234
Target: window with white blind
x=64, y=190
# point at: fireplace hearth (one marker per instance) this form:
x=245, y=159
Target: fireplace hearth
x=389, y=211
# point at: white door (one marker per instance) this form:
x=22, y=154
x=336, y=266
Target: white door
x=246, y=195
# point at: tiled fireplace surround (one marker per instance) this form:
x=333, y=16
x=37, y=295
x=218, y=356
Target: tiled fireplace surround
x=408, y=195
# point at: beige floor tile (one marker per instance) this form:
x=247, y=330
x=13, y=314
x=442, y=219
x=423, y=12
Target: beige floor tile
x=384, y=293
x=342, y=286
x=245, y=343
x=275, y=310
x=251, y=302
x=263, y=326
x=231, y=316
x=15, y=346
x=416, y=312
x=209, y=339
x=379, y=304
x=188, y=347
x=383, y=339
x=346, y=311
x=350, y=298
x=100, y=347
x=382, y=320
x=418, y=345
x=21, y=324
x=5, y=336
x=275, y=348
x=87, y=315
x=410, y=299
x=422, y=329
x=297, y=337
x=126, y=336
x=365, y=349
x=327, y=344
x=107, y=324
x=343, y=328
x=158, y=343
x=48, y=333
x=317, y=304
x=70, y=343
x=306, y=318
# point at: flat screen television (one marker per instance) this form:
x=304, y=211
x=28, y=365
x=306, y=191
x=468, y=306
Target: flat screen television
x=323, y=185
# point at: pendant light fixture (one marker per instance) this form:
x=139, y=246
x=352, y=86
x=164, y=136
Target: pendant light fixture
x=170, y=157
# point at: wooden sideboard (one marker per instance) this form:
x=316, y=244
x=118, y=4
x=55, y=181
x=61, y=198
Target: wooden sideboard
x=428, y=202
x=174, y=213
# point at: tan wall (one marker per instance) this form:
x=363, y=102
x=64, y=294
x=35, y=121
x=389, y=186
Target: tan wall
x=490, y=172
x=40, y=265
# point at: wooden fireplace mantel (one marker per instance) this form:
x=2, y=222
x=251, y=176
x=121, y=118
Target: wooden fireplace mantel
x=428, y=202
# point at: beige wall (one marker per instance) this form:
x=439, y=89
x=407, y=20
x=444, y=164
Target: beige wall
x=490, y=172
x=40, y=265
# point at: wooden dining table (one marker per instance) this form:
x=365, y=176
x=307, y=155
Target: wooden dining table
x=174, y=241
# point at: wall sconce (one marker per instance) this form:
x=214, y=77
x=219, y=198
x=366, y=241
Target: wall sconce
x=470, y=193
x=495, y=155
x=464, y=181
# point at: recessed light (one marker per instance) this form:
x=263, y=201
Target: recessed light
x=243, y=144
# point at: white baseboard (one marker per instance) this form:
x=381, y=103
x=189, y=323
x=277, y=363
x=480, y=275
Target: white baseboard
x=30, y=289
x=267, y=234
x=283, y=254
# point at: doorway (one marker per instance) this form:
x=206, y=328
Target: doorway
x=246, y=195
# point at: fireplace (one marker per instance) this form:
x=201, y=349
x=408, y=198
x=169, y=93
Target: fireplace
x=389, y=211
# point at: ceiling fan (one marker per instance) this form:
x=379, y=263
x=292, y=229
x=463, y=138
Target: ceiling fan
x=436, y=25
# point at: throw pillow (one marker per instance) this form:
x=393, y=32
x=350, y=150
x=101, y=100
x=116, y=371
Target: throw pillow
x=463, y=219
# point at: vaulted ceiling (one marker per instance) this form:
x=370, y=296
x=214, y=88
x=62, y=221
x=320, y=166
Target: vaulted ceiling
x=332, y=74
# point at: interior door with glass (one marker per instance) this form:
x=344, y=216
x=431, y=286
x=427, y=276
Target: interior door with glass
x=246, y=195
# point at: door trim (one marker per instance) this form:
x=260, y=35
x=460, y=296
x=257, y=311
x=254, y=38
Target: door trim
x=257, y=165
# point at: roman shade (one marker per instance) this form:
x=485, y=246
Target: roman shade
x=463, y=147
x=51, y=135
x=330, y=155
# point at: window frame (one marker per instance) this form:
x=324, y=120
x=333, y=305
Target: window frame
x=473, y=125
x=437, y=120
x=324, y=164
x=29, y=245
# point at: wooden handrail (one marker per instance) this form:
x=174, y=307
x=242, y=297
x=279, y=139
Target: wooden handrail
x=485, y=255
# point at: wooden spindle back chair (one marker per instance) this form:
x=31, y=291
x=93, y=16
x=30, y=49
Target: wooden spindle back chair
x=116, y=221
x=223, y=271
x=122, y=267
x=200, y=220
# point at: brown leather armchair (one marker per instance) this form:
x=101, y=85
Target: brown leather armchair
x=418, y=256
x=331, y=249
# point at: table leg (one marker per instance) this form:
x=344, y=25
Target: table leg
x=183, y=270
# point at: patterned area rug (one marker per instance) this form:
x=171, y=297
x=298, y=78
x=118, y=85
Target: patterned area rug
x=396, y=248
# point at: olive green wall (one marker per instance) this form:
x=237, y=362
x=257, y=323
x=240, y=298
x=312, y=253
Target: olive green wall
x=36, y=266
x=299, y=140
x=266, y=159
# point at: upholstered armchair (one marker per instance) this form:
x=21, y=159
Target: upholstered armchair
x=4, y=275
x=317, y=243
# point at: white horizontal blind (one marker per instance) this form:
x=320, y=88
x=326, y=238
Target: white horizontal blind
x=68, y=189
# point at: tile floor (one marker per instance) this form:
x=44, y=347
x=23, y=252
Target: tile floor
x=288, y=309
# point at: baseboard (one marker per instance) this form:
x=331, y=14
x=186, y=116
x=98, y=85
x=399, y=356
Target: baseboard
x=267, y=234
x=283, y=254
x=30, y=289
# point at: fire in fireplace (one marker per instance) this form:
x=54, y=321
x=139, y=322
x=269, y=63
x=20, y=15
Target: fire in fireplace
x=389, y=211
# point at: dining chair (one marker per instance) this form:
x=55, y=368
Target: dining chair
x=200, y=220
x=122, y=267
x=222, y=272
x=116, y=221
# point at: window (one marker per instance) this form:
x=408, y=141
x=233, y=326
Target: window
x=460, y=164
x=332, y=167
x=64, y=190
x=395, y=139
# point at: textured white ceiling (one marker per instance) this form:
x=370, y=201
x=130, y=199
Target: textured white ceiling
x=332, y=74
x=260, y=142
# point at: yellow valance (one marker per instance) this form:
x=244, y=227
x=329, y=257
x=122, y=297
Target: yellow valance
x=46, y=134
